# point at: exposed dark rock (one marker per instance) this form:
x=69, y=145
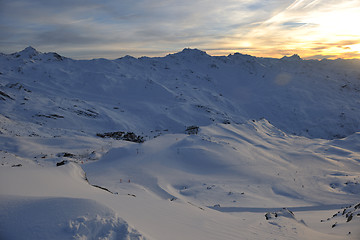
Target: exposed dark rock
x=17, y=165
x=52, y=116
x=66, y=154
x=17, y=86
x=347, y=213
x=129, y=136
x=283, y=212
x=192, y=130
x=61, y=163
x=226, y=121
x=102, y=188
x=5, y=95
x=57, y=56
x=87, y=113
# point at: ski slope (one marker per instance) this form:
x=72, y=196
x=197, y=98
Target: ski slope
x=232, y=147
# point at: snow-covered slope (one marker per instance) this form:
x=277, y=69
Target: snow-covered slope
x=187, y=146
x=308, y=98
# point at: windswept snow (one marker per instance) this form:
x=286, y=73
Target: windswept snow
x=235, y=147
x=61, y=218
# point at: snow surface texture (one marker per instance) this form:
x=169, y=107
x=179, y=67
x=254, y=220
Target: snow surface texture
x=186, y=146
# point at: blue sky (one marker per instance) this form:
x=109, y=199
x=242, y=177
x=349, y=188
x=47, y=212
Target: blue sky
x=89, y=29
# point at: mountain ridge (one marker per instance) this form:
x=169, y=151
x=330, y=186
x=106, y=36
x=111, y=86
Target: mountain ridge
x=193, y=88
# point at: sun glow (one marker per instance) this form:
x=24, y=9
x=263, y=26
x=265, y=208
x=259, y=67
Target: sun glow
x=355, y=47
x=313, y=29
x=344, y=22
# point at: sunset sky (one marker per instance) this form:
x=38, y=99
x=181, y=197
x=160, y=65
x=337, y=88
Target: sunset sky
x=85, y=29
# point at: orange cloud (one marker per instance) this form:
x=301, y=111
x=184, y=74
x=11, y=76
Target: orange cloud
x=309, y=28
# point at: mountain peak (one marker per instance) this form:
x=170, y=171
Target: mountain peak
x=193, y=51
x=294, y=57
x=29, y=52
x=30, y=49
x=190, y=52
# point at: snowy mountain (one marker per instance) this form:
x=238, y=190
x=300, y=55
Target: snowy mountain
x=187, y=146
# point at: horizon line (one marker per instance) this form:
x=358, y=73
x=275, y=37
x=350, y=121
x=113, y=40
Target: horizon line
x=167, y=53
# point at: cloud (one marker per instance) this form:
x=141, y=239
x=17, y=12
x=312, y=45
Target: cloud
x=293, y=24
x=308, y=27
x=155, y=23
x=255, y=27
